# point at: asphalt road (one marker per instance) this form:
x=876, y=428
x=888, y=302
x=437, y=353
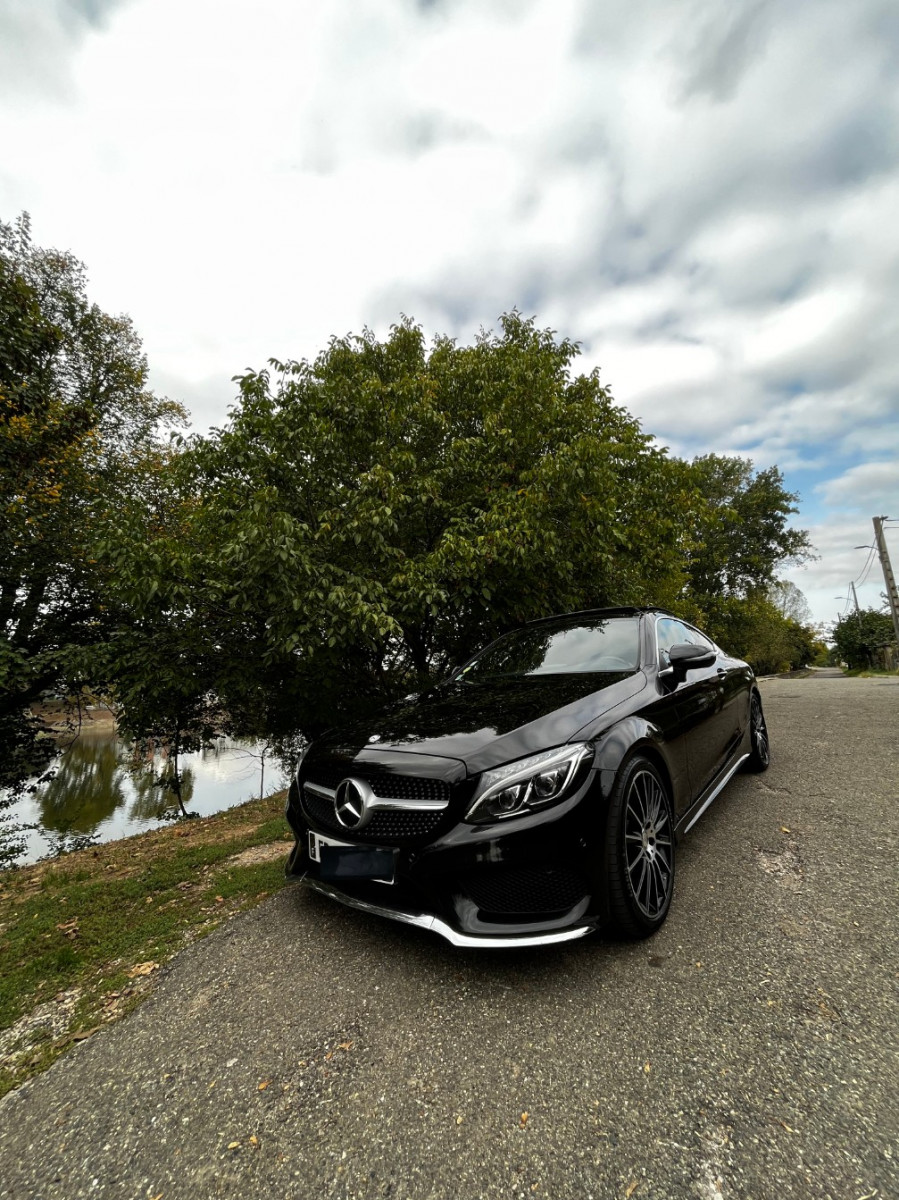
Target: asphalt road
x=748, y=1050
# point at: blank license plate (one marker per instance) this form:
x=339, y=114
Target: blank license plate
x=342, y=860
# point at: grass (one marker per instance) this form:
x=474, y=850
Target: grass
x=82, y=938
x=870, y=673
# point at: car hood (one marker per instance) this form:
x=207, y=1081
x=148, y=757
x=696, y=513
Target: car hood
x=485, y=723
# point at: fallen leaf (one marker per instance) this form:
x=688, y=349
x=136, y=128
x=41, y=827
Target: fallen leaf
x=646, y=1068
x=146, y=968
x=157, y=1197
x=631, y=1188
x=254, y=1140
x=345, y=1046
x=524, y=1120
x=783, y=829
x=786, y=1127
x=233, y=1145
x=84, y=1033
x=459, y=1120
x=263, y=1085
x=220, y=899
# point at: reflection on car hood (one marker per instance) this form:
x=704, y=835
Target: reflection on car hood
x=486, y=722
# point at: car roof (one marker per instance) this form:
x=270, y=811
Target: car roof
x=623, y=611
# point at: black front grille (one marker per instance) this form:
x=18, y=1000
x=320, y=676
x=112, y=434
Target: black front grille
x=526, y=890
x=395, y=787
x=395, y=827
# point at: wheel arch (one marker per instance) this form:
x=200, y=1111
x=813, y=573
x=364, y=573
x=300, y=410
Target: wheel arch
x=635, y=736
x=630, y=739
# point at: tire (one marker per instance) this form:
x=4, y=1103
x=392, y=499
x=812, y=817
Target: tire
x=639, y=851
x=759, y=746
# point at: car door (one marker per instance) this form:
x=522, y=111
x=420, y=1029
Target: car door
x=699, y=703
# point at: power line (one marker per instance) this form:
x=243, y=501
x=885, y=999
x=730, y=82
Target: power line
x=867, y=567
x=867, y=572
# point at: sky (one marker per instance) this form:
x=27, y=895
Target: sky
x=704, y=195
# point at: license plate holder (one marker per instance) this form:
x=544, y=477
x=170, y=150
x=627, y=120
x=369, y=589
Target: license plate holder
x=345, y=860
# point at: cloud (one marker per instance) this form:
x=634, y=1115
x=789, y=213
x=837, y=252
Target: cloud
x=724, y=46
x=38, y=39
x=871, y=487
x=703, y=195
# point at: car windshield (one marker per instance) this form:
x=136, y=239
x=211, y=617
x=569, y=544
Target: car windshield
x=555, y=649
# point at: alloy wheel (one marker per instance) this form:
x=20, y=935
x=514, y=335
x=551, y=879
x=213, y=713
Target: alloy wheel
x=760, y=746
x=647, y=842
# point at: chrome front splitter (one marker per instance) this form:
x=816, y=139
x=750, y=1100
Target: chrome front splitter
x=436, y=925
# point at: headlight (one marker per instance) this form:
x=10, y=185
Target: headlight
x=526, y=785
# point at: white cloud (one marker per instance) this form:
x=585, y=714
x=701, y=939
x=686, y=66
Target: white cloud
x=38, y=41
x=703, y=195
x=871, y=487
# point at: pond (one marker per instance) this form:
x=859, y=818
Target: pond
x=99, y=793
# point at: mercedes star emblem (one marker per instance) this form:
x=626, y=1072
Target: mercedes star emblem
x=352, y=803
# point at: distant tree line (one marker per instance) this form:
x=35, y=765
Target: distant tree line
x=361, y=523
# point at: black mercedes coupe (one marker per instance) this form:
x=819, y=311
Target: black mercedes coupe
x=540, y=792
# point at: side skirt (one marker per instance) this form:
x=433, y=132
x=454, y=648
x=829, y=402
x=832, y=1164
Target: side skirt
x=689, y=819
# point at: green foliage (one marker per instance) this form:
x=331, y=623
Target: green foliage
x=77, y=438
x=742, y=535
x=858, y=637
x=740, y=538
x=362, y=522
x=366, y=520
x=753, y=628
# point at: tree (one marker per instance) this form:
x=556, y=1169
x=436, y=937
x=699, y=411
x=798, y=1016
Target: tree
x=367, y=519
x=858, y=637
x=78, y=437
x=790, y=601
x=743, y=534
x=740, y=537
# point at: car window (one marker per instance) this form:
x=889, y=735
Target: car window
x=671, y=632
x=589, y=646
x=699, y=639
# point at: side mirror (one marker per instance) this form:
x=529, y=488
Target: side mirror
x=686, y=657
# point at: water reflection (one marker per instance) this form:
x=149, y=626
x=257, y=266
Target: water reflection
x=102, y=790
x=154, y=789
x=88, y=787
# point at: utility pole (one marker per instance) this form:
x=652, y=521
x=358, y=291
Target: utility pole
x=888, y=576
x=858, y=613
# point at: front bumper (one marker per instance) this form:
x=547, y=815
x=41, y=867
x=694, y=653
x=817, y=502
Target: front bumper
x=436, y=925
x=524, y=883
